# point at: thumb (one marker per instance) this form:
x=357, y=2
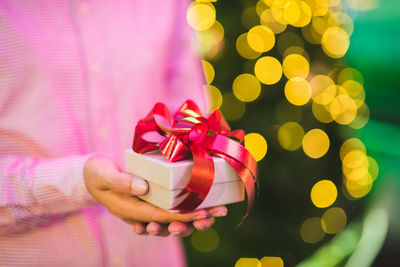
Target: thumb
x=128, y=184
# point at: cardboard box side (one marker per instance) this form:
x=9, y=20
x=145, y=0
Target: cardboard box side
x=175, y=175
x=220, y=194
x=148, y=169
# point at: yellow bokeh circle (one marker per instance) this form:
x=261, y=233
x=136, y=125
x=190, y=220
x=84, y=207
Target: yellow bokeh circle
x=246, y=87
x=290, y=135
x=268, y=70
x=333, y=220
x=320, y=113
x=271, y=262
x=209, y=71
x=200, y=16
x=311, y=230
x=243, y=48
x=315, y=143
x=268, y=20
x=323, y=194
x=335, y=42
x=295, y=65
x=318, y=85
x=232, y=108
x=255, y=143
x=351, y=144
x=206, y=241
x=213, y=97
x=248, y=262
x=261, y=38
x=298, y=91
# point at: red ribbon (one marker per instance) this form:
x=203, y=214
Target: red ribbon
x=189, y=134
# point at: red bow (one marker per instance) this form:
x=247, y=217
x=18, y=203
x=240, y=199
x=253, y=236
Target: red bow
x=188, y=134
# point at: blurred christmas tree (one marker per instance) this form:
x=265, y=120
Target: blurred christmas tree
x=282, y=78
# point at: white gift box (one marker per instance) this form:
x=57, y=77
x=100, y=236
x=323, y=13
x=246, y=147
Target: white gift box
x=166, y=180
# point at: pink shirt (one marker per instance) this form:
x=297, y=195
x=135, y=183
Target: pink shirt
x=75, y=77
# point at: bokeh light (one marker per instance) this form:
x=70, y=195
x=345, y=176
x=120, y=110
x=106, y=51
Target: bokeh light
x=319, y=84
x=295, y=65
x=373, y=168
x=268, y=20
x=205, y=241
x=333, y=220
x=320, y=113
x=213, y=97
x=315, y=143
x=256, y=144
x=200, y=16
x=335, y=42
x=271, y=262
x=351, y=144
x=343, y=109
x=290, y=135
x=232, y=108
x=209, y=71
x=350, y=74
x=298, y=91
x=248, y=262
x=246, y=87
x=311, y=230
x=268, y=70
x=212, y=36
x=243, y=48
x=297, y=13
x=323, y=193
x=261, y=38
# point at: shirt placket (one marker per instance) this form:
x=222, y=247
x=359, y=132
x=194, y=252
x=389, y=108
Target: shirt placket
x=101, y=98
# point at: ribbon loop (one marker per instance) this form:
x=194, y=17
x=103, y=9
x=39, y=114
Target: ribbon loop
x=189, y=134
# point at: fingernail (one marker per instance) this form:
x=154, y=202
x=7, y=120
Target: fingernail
x=139, y=186
x=201, y=214
x=176, y=232
x=220, y=213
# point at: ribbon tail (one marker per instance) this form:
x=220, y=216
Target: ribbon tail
x=200, y=182
x=241, y=160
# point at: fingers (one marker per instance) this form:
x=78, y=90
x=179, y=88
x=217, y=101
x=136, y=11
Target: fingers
x=105, y=175
x=139, y=229
x=203, y=224
x=127, y=184
x=154, y=228
x=128, y=207
x=219, y=211
x=180, y=229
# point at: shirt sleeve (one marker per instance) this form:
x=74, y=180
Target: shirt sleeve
x=184, y=71
x=32, y=189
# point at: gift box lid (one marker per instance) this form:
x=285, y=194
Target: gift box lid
x=155, y=168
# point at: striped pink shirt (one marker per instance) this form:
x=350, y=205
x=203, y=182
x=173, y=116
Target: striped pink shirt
x=75, y=76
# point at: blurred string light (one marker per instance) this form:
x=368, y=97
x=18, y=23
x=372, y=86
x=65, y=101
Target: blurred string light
x=205, y=241
x=359, y=169
x=323, y=193
x=333, y=220
x=246, y=87
x=311, y=230
x=333, y=94
x=255, y=143
x=264, y=262
x=315, y=143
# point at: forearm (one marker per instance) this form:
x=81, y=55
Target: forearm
x=34, y=188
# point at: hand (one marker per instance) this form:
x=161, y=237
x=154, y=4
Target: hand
x=116, y=190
